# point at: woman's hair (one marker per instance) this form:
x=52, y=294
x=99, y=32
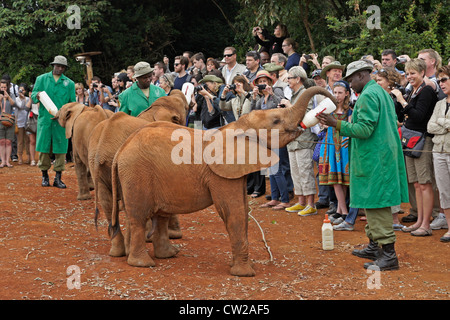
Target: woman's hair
x=284, y=30
x=78, y=86
x=242, y=80
x=298, y=72
x=346, y=103
x=291, y=42
x=214, y=62
x=416, y=64
x=444, y=69
x=391, y=75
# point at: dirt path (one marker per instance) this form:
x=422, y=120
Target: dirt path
x=44, y=231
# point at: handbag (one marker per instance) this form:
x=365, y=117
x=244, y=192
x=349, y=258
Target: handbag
x=31, y=125
x=7, y=119
x=413, y=141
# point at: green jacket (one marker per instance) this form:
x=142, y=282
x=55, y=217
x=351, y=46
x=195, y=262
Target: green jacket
x=133, y=101
x=377, y=166
x=51, y=137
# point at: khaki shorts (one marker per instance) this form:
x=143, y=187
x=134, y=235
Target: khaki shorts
x=7, y=132
x=421, y=169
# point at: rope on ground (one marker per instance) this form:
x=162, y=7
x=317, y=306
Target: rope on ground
x=262, y=233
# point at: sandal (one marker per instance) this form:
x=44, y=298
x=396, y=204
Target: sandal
x=421, y=232
x=410, y=228
x=256, y=195
x=2, y=165
x=281, y=206
x=269, y=204
x=445, y=237
x=9, y=165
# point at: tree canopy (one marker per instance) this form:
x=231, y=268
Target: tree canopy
x=33, y=32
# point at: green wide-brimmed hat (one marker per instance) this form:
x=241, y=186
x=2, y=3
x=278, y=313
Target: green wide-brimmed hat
x=272, y=67
x=211, y=78
x=333, y=65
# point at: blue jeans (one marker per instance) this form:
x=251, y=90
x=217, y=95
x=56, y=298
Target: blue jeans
x=278, y=181
x=351, y=217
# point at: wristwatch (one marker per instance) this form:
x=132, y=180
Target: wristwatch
x=404, y=104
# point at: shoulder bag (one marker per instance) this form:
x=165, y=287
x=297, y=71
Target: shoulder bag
x=31, y=125
x=7, y=119
x=412, y=141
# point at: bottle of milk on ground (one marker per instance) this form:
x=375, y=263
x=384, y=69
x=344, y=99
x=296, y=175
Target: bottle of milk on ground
x=327, y=234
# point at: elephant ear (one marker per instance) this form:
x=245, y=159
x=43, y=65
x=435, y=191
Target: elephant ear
x=233, y=154
x=67, y=116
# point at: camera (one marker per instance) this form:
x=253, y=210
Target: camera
x=200, y=87
x=307, y=57
x=2, y=92
x=401, y=60
x=232, y=87
x=261, y=87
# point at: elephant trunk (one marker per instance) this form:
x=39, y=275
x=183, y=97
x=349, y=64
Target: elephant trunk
x=298, y=110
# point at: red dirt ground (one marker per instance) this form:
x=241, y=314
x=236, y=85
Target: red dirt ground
x=43, y=231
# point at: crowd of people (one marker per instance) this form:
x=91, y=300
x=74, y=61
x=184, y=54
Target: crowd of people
x=275, y=75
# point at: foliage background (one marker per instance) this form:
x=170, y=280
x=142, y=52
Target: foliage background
x=32, y=32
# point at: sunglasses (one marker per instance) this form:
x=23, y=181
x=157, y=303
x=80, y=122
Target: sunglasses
x=443, y=80
x=176, y=64
x=290, y=78
x=228, y=55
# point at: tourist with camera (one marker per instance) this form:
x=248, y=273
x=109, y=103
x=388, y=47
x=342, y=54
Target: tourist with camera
x=273, y=43
x=23, y=107
x=208, y=101
x=6, y=128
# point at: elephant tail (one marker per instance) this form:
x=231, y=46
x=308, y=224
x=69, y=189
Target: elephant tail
x=114, y=225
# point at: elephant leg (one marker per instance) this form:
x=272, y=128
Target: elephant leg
x=82, y=179
x=161, y=244
x=174, y=227
x=118, y=248
x=138, y=255
x=235, y=216
x=90, y=181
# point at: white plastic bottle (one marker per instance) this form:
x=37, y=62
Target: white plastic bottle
x=326, y=106
x=327, y=234
x=48, y=103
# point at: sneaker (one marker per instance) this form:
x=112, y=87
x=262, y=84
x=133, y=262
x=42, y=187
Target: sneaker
x=343, y=226
x=320, y=205
x=334, y=217
x=409, y=218
x=439, y=223
x=308, y=211
x=295, y=208
x=338, y=221
x=332, y=209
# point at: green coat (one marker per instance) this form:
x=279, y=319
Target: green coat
x=133, y=101
x=51, y=137
x=377, y=166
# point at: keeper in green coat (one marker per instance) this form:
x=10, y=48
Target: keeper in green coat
x=377, y=168
x=142, y=93
x=51, y=137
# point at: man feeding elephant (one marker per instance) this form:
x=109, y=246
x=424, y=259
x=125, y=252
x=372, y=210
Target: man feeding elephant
x=51, y=137
x=142, y=93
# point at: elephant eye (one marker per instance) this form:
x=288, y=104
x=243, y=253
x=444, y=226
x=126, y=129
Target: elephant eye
x=276, y=121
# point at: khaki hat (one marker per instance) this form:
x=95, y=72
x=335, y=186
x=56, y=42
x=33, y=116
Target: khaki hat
x=356, y=66
x=60, y=60
x=211, y=78
x=142, y=68
x=262, y=74
x=169, y=78
x=272, y=67
x=333, y=65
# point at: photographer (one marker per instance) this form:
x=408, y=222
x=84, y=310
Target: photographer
x=263, y=95
x=208, y=102
x=6, y=132
x=241, y=103
x=273, y=43
x=99, y=94
x=23, y=106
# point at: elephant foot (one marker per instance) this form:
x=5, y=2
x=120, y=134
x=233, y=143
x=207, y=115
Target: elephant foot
x=175, y=234
x=242, y=270
x=140, y=260
x=166, y=251
x=117, y=246
x=84, y=196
